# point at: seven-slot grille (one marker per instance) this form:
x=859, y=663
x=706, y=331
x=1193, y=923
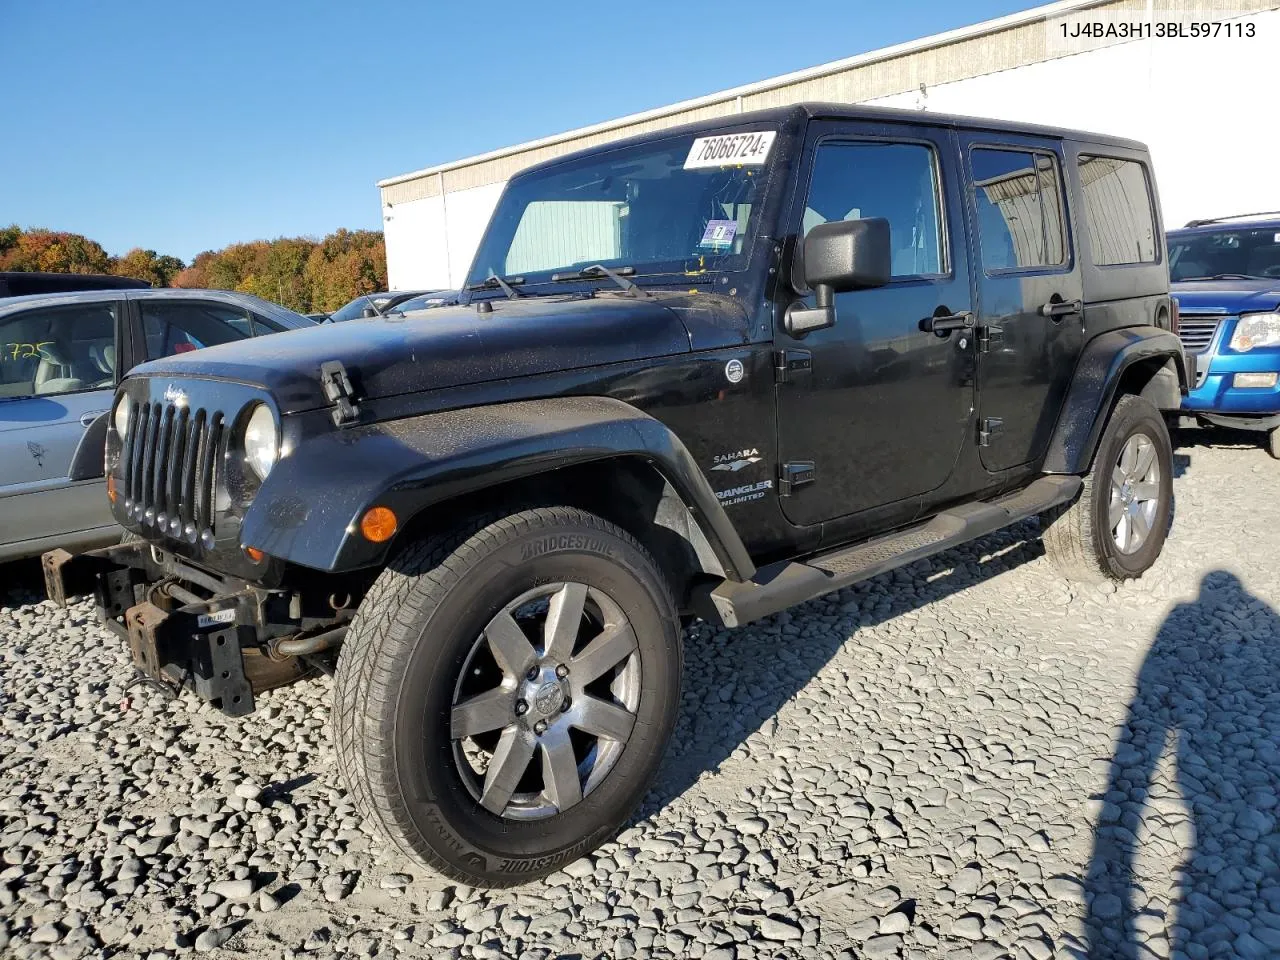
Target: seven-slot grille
x=1197, y=331
x=170, y=468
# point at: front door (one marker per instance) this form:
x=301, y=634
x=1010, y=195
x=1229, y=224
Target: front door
x=57, y=375
x=1031, y=318
x=879, y=404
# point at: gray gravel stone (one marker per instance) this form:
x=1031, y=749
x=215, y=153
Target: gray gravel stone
x=945, y=733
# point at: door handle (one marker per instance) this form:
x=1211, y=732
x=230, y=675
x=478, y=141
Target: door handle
x=1061, y=308
x=86, y=419
x=944, y=324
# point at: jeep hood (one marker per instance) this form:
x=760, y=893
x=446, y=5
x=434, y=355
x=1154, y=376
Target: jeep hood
x=444, y=347
x=1227, y=296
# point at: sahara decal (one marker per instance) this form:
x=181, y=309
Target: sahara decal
x=733, y=462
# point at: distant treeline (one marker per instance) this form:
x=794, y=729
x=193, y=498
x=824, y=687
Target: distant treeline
x=305, y=275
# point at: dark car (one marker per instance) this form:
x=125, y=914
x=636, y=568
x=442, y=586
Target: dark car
x=373, y=304
x=711, y=371
x=428, y=301
x=22, y=284
x=1226, y=277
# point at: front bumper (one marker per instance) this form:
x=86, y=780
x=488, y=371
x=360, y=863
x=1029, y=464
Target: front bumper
x=186, y=628
x=1216, y=393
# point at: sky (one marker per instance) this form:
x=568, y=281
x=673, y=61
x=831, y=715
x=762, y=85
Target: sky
x=182, y=127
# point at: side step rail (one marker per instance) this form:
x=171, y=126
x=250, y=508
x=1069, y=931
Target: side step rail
x=781, y=585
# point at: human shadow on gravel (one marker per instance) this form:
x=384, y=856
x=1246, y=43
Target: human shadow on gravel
x=1211, y=683
x=735, y=681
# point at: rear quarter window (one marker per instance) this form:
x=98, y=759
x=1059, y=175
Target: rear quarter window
x=1116, y=195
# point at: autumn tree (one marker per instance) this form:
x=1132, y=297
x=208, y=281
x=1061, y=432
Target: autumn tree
x=300, y=273
x=158, y=270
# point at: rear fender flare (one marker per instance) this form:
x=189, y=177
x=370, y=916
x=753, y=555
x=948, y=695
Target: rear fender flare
x=1098, y=376
x=308, y=510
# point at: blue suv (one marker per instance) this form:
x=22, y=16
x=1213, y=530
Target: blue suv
x=1226, y=278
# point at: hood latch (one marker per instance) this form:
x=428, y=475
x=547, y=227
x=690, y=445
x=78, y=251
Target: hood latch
x=339, y=392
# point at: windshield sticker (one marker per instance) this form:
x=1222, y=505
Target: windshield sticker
x=719, y=233
x=730, y=149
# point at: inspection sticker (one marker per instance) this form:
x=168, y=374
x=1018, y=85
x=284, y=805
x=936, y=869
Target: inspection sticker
x=719, y=233
x=730, y=149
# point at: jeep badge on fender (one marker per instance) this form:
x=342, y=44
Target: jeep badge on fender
x=774, y=363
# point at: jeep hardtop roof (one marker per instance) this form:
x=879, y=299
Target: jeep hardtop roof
x=849, y=111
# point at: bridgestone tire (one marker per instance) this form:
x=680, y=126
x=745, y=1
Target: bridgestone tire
x=1077, y=536
x=399, y=670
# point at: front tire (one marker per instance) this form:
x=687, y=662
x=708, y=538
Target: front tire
x=1117, y=527
x=505, y=694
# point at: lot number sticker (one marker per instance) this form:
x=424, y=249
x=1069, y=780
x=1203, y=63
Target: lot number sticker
x=730, y=149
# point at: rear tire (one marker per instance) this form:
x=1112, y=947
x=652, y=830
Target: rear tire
x=456, y=732
x=1117, y=527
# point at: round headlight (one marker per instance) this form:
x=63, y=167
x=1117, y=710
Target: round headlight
x=120, y=418
x=261, y=444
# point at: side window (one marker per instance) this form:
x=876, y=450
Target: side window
x=1018, y=198
x=178, y=326
x=897, y=181
x=1117, y=204
x=58, y=350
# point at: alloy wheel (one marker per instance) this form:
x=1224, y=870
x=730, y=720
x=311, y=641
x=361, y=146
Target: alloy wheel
x=546, y=701
x=1135, y=493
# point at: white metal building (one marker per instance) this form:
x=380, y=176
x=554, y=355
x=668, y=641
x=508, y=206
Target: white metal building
x=1201, y=104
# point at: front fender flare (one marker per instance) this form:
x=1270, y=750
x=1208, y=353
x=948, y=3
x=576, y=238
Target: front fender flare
x=308, y=511
x=1093, y=389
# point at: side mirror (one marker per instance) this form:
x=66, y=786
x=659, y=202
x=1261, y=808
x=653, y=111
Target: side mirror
x=839, y=256
x=368, y=313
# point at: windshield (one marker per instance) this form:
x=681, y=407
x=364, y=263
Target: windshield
x=1247, y=252
x=675, y=205
x=359, y=305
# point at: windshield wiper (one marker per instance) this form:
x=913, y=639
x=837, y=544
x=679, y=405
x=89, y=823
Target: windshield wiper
x=508, y=285
x=618, y=276
x=1228, y=276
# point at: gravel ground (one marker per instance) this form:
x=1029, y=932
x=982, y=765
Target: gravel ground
x=969, y=758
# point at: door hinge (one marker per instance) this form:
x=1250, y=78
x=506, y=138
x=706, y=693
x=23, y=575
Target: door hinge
x=338, y=391
x=794, y=474
x=787, y=364
x=988, y=334
x=992, y=427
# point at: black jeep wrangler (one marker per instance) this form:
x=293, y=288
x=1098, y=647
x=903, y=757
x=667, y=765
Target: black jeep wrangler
x=712, y=371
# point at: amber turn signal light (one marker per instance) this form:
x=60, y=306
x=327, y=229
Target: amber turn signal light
x=378, y=524
x=111, y=488
x=254, y=554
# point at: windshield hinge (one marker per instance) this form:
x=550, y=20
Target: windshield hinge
x=338, y=391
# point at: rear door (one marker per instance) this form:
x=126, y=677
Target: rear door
x=182, y=324
x=1030, y=309
x=57, y=375
x=879, y=404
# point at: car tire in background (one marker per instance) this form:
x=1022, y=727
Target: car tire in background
x=1273, y=442
x=505, y=694
x=1117, y=526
